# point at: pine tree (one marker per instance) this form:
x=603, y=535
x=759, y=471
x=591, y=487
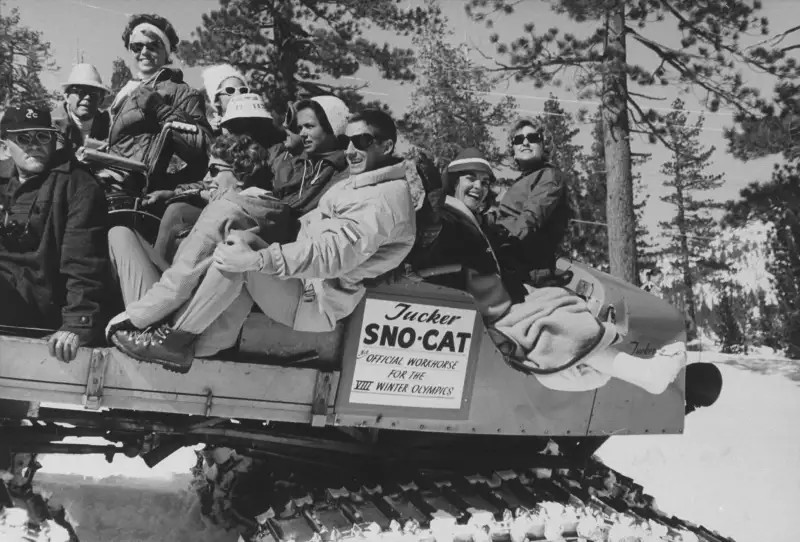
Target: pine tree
x=588, y=235
x=278, y=44
x=690, y=229
x=23, y=56
x=449, y=111
x=566, y=155
x=728, y=326
x=120, y=75
x=706, y=59
x=777, y=202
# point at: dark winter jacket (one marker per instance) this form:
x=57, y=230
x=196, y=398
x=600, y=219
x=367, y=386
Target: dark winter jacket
x=137, y=120
x=300, y=181
x=61, y=268
x=70, y=136
x=530, y=223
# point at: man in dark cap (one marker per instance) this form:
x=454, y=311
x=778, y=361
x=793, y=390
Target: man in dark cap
x=53, y=251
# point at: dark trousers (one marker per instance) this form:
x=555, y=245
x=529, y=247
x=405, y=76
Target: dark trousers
x=178, y=219
x=15, y=311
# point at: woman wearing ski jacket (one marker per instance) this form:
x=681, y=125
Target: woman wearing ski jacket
x=158, y=95
x=301, y=179
x=243, y=201
x=531, y=220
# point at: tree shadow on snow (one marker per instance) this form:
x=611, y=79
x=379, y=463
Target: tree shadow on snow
x=765, y=365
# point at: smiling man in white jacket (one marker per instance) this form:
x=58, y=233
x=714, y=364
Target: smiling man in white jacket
x=363, y=227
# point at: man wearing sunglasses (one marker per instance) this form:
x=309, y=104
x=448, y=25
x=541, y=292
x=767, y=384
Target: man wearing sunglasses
x=53, y=252
x=531, y=219
x=364, y=226
x=79, y=117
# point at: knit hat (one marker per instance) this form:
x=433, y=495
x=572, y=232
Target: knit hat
x=213, y=77
x=467, y=160
x=335, y=111
x=246, y=106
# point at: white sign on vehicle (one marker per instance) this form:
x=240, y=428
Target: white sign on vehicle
x=412, y=355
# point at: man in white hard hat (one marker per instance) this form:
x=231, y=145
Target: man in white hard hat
x=79, y=117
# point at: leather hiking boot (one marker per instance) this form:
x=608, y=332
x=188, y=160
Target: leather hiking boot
x=170, y=348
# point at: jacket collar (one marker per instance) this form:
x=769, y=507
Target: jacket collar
x=389, y=173
x=62, y=163
x=336, y=158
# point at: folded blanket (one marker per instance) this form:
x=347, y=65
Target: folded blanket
x=554, y=333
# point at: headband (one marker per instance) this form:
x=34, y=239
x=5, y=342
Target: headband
x=140, y=30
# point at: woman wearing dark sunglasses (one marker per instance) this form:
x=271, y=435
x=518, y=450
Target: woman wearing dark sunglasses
x=156, y=97
x=222, y=82
x=530, y=221
x=241, y=200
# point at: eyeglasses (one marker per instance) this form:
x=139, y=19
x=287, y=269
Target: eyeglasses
x=532, y=137
x=85, y=91
x=360, y=141
x=27, y=138
x=230, y=91
x=216, y=169
x=138, y=46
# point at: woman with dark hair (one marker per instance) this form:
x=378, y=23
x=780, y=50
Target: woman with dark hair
x=301, y=179
x=155, y=97
x=245, y=114
x=241, y=199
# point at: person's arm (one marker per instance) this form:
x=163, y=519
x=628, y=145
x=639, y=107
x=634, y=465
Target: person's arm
x=541, y=201
x=84, y=258
x=192, y=133
x=345, y=242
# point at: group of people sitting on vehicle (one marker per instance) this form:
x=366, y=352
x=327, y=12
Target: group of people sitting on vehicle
x=295, y=218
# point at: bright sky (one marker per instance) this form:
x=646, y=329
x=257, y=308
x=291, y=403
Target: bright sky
x=93, y=27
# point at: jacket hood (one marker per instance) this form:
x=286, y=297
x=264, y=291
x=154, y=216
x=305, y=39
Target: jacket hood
x=260, y=204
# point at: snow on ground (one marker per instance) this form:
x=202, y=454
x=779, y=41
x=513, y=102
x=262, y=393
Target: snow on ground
x=736, y=469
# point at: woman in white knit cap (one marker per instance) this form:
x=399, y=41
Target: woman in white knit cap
x=221, y=83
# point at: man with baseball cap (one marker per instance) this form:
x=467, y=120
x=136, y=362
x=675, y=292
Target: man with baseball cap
x=79, y=117
x=53, y=251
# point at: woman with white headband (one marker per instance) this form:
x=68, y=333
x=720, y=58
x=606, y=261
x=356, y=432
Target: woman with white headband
x=157, y=96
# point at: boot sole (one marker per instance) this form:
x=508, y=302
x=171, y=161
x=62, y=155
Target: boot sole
x=168, y=365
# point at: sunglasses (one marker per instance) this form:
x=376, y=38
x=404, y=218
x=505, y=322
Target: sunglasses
x=138, y=46
x=360, y=141
x=85, y=91
x=531, y=137
x=27, y=138
x=230, y=91
x=216, y=169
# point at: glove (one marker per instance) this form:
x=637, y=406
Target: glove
x=151, y=103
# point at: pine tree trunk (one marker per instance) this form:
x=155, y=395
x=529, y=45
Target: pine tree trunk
x=686, y=266
x=287, y=56
x=621, y=217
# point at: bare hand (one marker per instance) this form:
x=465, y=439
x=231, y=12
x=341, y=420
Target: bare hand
x=236, y=256
x=63, y=345
x=159, y=195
